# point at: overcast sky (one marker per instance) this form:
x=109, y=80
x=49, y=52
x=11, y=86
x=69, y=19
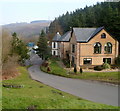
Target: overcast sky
x=12, y=11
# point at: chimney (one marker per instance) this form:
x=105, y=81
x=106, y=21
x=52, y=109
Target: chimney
x=58, y=33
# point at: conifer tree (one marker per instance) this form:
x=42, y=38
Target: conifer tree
x=43, y=50
x=19, y=48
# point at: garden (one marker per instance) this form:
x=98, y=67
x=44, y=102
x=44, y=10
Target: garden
x=102, y=73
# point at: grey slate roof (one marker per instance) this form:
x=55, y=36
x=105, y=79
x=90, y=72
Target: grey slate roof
x=65, y=37
x=82, y=34
x=85, y=34
x=56, y=37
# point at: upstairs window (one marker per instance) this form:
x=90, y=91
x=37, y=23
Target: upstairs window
x=54, y=45
x=108, y=48
x=103, y=35
x=73, y=48
x=97, y=48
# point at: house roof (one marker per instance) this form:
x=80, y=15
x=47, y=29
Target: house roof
x=65, y=37
x=31, y=44
x=82, y=34
x=85, y=34
x=57, y=37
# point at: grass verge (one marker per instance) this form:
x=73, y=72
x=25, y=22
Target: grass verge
x=110, y=77
x=35, y=95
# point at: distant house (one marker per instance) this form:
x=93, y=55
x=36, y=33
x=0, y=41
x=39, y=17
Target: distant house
x=61, y=44
x=30, y=44
x=55, y=46
x=86, y=46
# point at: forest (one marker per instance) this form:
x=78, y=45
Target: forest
x=105, y=14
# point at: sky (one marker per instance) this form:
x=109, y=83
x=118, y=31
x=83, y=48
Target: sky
x=16, y=11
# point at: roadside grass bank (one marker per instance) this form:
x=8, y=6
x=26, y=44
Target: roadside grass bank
x=56, y=69
x=35, y=95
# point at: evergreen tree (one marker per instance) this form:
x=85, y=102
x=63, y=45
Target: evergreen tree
x=43, y=50
x=105, y=14
x=19, y=48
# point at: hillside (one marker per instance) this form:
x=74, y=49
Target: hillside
x=105, y=14
x=28, y=29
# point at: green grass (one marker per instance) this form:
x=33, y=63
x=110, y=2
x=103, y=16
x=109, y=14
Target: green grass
x=111, y=77
x=55, y=68
x=42, y=96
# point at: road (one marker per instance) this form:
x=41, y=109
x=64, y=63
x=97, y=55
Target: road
x=93, y=91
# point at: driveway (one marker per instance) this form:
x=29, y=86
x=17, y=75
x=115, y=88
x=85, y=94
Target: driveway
x=93, y=91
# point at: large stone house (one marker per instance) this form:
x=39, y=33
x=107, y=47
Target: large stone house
x=88, y=47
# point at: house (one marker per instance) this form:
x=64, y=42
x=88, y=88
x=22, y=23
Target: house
x=30, y=45
x=86, y=47
x=55, y=46
x=92, y=46
x=64, y=45
x=61, y=45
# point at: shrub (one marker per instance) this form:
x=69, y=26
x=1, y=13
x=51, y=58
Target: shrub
x=66, y=63
x=48, y=69
x=81, y=71
x=106, y=66
x=117, y=60
x=98, y=68
x=45, y=64
x=75, y=70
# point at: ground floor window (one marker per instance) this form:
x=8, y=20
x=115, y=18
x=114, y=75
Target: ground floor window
x=87, y=61
x=54, y=52
x=108, y=60
x=73, y=61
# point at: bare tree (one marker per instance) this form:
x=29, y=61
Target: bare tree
x=8, y=62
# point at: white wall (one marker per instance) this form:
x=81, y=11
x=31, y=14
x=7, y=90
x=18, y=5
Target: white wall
x=56, y=45
x=56, y=52
x=55, y=49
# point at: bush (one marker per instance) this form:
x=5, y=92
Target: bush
x=75, y=70
x=81, y=71
x=66, y=63
x=106, y=66
x=98, y=68
x=45, y=64
x=117, y=61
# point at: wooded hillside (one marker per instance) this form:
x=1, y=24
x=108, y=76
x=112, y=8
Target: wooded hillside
x=105, y=14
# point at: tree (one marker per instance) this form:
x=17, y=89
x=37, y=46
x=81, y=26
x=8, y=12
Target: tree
x=105, y=14
x=42, y=34
x=19, y=48
x=43, y=49
x=54, y=27
x=8, y=62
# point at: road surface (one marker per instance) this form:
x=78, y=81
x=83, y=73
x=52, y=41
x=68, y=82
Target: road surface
x=93, y=91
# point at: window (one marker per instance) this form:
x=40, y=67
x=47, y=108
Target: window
x=97, y=48
x=54, y=52
x=72, y=61
x=108, y=60
x=87, y=61
x=108, y=48
x=103, y=35
x=54, y=45
x=73, y=48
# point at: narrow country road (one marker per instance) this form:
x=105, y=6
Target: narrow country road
x=93, y=91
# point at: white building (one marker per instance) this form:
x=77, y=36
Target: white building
x=55, y=44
